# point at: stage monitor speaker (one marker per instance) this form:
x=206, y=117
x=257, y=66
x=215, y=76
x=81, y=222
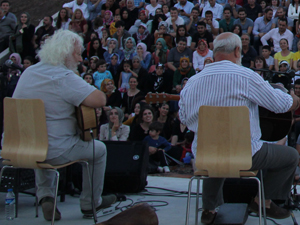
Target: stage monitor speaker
x=126, y=167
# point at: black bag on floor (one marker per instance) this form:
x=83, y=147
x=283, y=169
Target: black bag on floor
x=126, y=167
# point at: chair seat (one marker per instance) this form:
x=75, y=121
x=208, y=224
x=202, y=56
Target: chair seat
x=49, y=166
x=243, y=173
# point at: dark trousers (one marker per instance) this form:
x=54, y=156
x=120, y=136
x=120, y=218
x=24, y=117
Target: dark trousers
x=280, y=163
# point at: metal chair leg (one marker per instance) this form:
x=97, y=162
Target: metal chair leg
x=92, y=200
x=197, y=200
x=263, y=196
x=188, y=202
x=55, y=195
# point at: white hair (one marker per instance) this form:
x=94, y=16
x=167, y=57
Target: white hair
x=227, y=45
x=58, y=49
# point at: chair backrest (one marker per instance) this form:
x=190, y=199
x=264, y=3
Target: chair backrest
x=224, y=141
x=25, y=133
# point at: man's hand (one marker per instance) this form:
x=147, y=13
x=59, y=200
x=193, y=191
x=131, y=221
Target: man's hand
x=261, y=34
x=231, y=4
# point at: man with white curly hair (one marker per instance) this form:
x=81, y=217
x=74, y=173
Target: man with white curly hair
x=53, y=80
x=226, y=83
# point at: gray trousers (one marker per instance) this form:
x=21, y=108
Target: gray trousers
x=280, y=163
x=45, y=180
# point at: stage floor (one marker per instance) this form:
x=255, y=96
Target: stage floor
x=170, y=209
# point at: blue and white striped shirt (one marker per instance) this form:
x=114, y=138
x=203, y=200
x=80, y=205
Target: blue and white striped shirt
x=227, y=84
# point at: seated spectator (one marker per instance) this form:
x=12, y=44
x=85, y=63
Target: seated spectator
x=93, y=64
x=130, y=48
x=159, y=80
x=78, y=23
x=112, y=28
x=7, y=28
x=150, y=9
x=277, y=34
x=143, y=36
x=216, y=9
x=260, y=63
x=212, y=25
x=165, y=118
x=296, y=57
x=98, y=25
x=201, y=53
x=113, y=48
x=63, y=20
x=284, y=55
x=278, y=78
x=77, y=4
x=113, y=67
x=94, y=8
x=139, y=3
x=281, y=12
x=248, y=52
x=173, y=21
x=132, y=118
x=139, y=72
x=160, y=55
x=141, y=129
x=293, y=11
x=143, y=16
x=182, y=32
x=101, y=73
x=47, y=28
x=166, y=10
x=5, y=5
x=133, y=11
x=110, y=5
x=126, y=73
x=192, y=25
x=27, y=62
x=114, y=130
x=263, y=5
x=208, y=60
x=237, y=29
x=183, y=71
x=105, y=38
x=253, y=10
x=244, y=22
x=178, y=132
x=22, y=39
x=159, y=16
x=176, y=53
x=96, y=49
x=233, y=7
x=121, y=35
x=266, y=53
x=125, y=17
x=185, y=7
x=129, y=96
x=13, y=75
x=158, y=145
x=163, y=32
x=226, y=24
x=202, y=34
x=144, y=55
x=88, y=77
x=274, y=6
x=262, y=25
x=108, y=19
x=113, y=96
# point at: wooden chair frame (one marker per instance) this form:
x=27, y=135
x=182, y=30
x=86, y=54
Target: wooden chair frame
x=223, y=150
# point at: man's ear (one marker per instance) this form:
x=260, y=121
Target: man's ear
x=237, y=52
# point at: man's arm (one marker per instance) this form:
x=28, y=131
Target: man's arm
x=69, y=7
x=266, y=37
x=171, y=66
x=296, y=101
x=255, y=27
x=249, y=30
x=96, y=99
x=234, y=12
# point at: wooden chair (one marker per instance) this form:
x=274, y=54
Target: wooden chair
x=25, y=143
x=223, y=148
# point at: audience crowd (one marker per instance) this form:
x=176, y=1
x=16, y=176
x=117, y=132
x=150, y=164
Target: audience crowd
x=132, y=47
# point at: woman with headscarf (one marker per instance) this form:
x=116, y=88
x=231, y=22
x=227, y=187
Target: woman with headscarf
x=113, y=96
x=114, y=130
x=201, y=53
x=13, y=75
x=125, y=16
x=113, y=48
x=108, y=19
x=143, y=36
x=21, y=41
x=159, y=16
x=133, y=10
x=130, y=48
x=160, y=55
x=144, y=55
x=163, y=32
x=139, y=72
x=184, y=70
x=113, y=67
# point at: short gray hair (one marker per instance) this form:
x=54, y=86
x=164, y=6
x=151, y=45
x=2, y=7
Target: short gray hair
x=226, y=45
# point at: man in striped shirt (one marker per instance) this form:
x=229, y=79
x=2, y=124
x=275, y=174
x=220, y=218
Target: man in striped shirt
x=226, y=83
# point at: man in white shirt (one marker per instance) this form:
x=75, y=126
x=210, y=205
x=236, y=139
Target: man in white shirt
x=277, y=34
x=216, y=9
x=185, y=7
x=173, y=21
x=77, y=4
x=212, y=25
x=233, y=85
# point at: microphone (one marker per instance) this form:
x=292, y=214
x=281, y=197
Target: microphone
x=10, y=64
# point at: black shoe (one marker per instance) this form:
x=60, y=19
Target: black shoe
x=107, y=201
x=274, y=211
x=47, y=207
x=207, y=217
